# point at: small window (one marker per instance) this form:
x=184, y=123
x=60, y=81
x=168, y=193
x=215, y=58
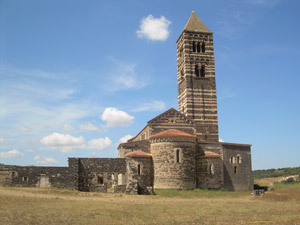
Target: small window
x=178, y=157
x=139, y=169
x=238, y=159
x=203, y=47
x=100, y=178
x=197, y=71
x=194, y=47
x=211, y=169
x=198, y=47
x=202, y=71
x=235, y=169
x=232, y=159
x=24, y=178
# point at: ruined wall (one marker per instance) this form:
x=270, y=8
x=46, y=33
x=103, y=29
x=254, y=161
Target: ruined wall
x=209, y=172
x=6, y=174
x=97, y=174
x=34, y=176
x=168, y=172
x=140, y=171
x=237, y=166
x=135, y=146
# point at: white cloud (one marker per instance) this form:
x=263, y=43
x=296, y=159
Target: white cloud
x=100, y=143
x=155, y=29
x=2, y=140
x=12, y=154
x=115, y=117
x=39, y=159
x=64, y=142
x=23, y=128
x=88, y=126
x=125, y=138
x=221, y=140
x=67, y=127
x=28, y=150
x=123, y=76
x=150, y=106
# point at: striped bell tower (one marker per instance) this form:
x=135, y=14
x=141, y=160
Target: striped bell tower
x=197, y=96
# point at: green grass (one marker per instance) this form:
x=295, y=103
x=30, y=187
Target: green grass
x=56, y=206
x=295, y=185
x=200, y=193
x=257, y=174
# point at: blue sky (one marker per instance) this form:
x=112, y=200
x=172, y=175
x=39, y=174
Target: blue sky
x=78, y=77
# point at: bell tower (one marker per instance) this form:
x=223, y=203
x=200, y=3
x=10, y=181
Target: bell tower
x=197, y=96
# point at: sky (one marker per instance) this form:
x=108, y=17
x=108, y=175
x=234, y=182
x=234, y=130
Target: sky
x=77, y=78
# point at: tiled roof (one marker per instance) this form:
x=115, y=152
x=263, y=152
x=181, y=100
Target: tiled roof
x=138, y=154
x=210, y=154
x=195, y=24
x=172, y=133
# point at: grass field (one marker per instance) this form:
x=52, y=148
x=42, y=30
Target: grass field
x=54, y=206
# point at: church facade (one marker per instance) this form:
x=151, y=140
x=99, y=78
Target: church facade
x=178, y=149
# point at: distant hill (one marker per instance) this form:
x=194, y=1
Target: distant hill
x=257, y=174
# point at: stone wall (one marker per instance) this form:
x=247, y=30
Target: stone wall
x=171, y=119
x=237, y=166
x=210, y=147
x=140, y=171
x=168, y=172
x=135, y=146
x=97, y=174
x=209, y=172
x=34, y=176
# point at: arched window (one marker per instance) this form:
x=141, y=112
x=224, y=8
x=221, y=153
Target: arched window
x=178, y=160
x=197, y=71
x=238, y=159
x=211, y=169
x=235, y=169
x=202, y=71
x=100, y=178
x=194, y=46
x=198, y=47
x=203, y=47
x=232, y=159
x=139, y=169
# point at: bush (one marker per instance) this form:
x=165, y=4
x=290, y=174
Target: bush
x=289, y=180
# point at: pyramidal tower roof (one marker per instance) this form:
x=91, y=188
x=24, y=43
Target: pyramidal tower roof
x=195, y=24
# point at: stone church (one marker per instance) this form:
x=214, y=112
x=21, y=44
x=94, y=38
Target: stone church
x=178, y=149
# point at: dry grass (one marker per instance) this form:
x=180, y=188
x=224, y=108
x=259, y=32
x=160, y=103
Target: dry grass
x=51, y=206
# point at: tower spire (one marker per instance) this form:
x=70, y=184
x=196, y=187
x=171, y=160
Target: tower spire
x=197, y=97
x=195, y=24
